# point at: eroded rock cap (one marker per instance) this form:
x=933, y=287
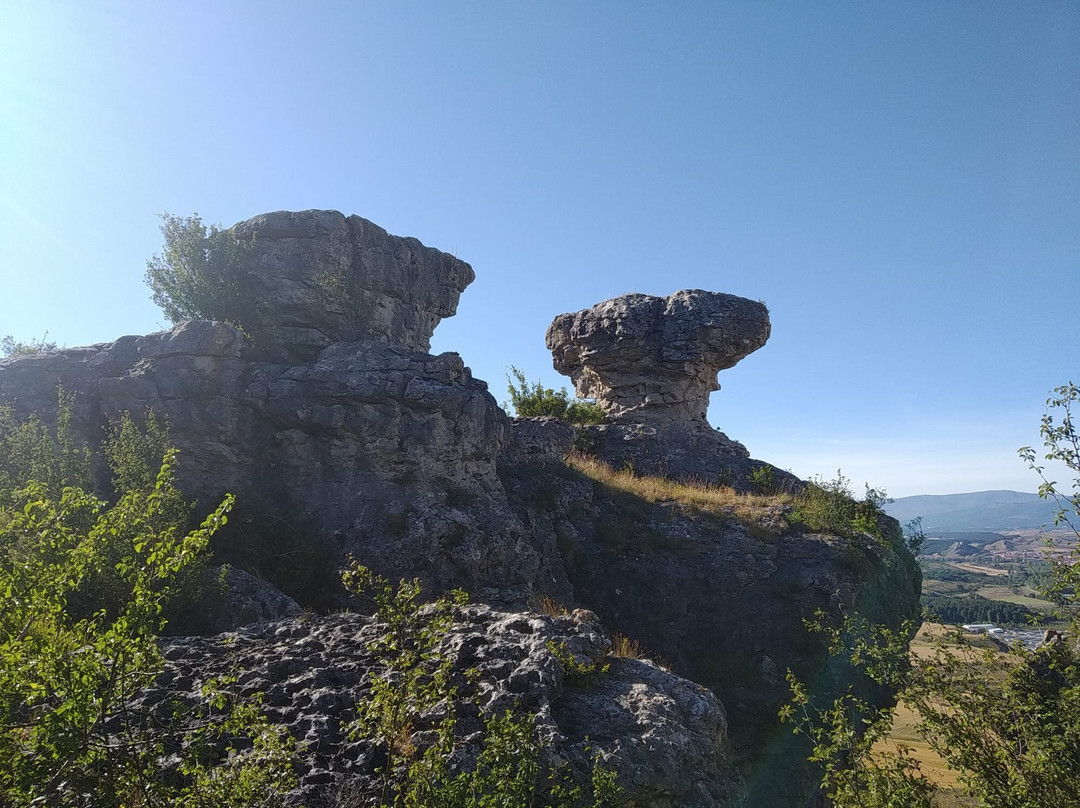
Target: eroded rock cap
x=319, y=277
x=646, y=358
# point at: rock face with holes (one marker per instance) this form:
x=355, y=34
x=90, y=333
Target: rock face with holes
x=664, y=736
x=652, y=359
x=321, y=277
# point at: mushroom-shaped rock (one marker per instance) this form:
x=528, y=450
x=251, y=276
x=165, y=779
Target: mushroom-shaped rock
x=316, y=277
x=655, y=359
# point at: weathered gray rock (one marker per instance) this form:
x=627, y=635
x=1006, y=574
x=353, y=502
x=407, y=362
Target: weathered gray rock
x=250, y=600
x=723, y=596
x=690, y=454
x=373, y=449
x=319, y=277
x=538, y=439
x=665, y=737
x=654, y=359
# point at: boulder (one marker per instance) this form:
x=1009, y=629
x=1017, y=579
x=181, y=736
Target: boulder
x=655, y=359
x=319, y=277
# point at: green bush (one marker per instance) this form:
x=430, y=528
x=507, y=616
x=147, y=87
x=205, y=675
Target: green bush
x=763, y=479
x=30, y=450
x=9, y=346
x=199, y=276
x=67, y=733
x=87, y=586
x=829, y=506
x=535, y=400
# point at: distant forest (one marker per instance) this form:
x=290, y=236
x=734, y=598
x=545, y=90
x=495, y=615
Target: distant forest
x=977, y=609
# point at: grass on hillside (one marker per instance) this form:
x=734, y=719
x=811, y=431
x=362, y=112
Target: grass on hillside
x=1005, y=594
x=751, y=509
x=992, y=572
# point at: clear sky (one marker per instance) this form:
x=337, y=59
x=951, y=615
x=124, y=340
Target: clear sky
x=899, y=182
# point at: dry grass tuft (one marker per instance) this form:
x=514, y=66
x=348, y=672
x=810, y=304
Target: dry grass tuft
x=750, y=509
x=622, y=647
x=547, y=605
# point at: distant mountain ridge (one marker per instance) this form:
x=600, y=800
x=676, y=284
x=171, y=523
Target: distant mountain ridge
x=976, y=511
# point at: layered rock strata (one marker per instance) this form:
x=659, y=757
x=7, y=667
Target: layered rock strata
x=654, y=359
x=372, y=449
x=318, y=277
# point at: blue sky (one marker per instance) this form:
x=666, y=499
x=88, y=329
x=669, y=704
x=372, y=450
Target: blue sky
x=899, y=182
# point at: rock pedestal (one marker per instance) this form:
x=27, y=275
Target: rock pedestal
x=655, y=359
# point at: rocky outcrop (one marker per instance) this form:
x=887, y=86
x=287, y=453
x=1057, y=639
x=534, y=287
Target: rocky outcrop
x=249, y=600
x=655, y=359
x=723, y=597
x=372, y=449
x=341, y=435
x=319, y=277
x=664, y=736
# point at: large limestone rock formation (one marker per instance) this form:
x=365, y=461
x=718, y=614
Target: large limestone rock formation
x=655, y=359
x=348, y=433
x=373, y=449
x=319, y=277
x=722, y=597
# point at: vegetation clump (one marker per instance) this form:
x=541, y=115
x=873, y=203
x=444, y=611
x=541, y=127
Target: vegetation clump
x=1007, y=722
x=829, y=506
x=87, y=584
x=197, y=276
x=534, y=400
x=9, y=346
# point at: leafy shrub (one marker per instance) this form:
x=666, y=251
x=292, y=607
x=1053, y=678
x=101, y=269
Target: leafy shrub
x=134, y=454
x=9, y=346
x=198, y=276
x=29, y=450
x=535, y=400
x=828, y=506
x=65, y=680
x=763, y=479
x=87, y=587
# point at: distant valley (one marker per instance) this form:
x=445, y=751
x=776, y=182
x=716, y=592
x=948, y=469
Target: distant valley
x=998, y=526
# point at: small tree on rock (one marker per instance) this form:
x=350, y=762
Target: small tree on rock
x=199, y=274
